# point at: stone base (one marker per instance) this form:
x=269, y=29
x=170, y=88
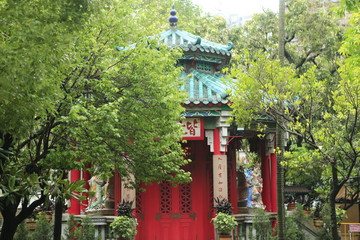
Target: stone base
x=100, y=212
x=247, y=210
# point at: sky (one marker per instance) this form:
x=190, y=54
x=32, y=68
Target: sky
x=240, y=7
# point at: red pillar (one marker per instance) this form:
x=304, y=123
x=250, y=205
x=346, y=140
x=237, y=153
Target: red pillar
x=117, y=191
x=217, y=142
x=84, y=203
x=75, y=204
x=273, y=183
x=265, y=172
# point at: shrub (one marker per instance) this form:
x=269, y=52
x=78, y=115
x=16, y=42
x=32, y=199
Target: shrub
x=22, y=231
x=223, y=206
x=224, y=223
x=44, y=228
x=124, y=226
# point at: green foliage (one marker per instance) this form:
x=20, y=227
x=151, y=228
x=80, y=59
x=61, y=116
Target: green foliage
x=22, y=232
x=252, y=160
x=83, y=229
x=224, y=223
x=312, y=37
x=71, y=227
x=223, y=206
x=86, y=230
x=262, y=225
x=302, y=169
x=44, y=228
x=125, y=208
x=325, y=214
x=67, y=93
x=124, y=226
x=293, y=224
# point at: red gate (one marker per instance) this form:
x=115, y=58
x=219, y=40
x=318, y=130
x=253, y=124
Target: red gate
x=182, y=212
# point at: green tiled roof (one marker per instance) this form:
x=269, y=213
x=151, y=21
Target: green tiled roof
x=191, y=43
x=204, y=88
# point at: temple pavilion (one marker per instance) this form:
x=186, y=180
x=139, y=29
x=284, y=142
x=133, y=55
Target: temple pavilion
x=216, y=148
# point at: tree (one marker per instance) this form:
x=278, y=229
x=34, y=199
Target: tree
x=312, y=37
x=306, y=97
x=280, y=181
x=304, y=106
x=67, y=93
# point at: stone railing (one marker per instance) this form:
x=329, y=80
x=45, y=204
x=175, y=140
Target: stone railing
x=245, y=229
x=102, y=225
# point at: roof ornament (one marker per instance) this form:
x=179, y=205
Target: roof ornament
x=198, y=41
x=173, y=18
x=230, y=46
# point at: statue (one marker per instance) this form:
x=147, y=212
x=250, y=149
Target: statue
x=99, y=189
x=254, y=184
x=250, y=165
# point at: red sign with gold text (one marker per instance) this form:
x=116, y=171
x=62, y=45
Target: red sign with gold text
x=193, y=128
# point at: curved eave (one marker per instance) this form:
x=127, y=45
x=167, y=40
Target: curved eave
x=202, y=104
x=190, y=42
x=203, y=49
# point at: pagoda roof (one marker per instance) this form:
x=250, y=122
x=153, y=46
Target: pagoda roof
x=204, y=88
x=191, y=43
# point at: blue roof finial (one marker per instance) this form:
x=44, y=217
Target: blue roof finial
x=173, y=18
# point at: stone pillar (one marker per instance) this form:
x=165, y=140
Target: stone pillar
x=127, y=193
x=220, y=178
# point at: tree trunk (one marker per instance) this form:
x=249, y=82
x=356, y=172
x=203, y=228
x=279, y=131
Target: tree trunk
x=58, y=218
x=280, y=185
x=10, y=216
x=282, y=31
x=8, y=229
x=280, y=134
x=332, y=203
x=10, y=223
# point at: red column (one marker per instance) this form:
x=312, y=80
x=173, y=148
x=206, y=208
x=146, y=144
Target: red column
x=74, y=203
x=273, y=183
x=117, y=191
x=217, y=142
x=84, y=203
x=265, y=172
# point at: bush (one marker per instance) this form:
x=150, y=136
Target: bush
x=224, y=223
x=72, y=224
x=86, y=230
x=44, y=228
x=124, y=226
x=262, y=225
x=22, y=231
x=223, y=206
x=125, y=208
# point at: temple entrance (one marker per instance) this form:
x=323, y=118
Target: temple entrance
x=181, y=212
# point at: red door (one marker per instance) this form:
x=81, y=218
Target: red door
x=176, y=214
x=182, y=212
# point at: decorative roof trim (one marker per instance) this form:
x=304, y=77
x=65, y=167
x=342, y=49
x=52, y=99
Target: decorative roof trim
x=189, y=42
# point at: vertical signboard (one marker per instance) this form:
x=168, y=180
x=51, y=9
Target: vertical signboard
x=127, y=193
x=220, y=177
